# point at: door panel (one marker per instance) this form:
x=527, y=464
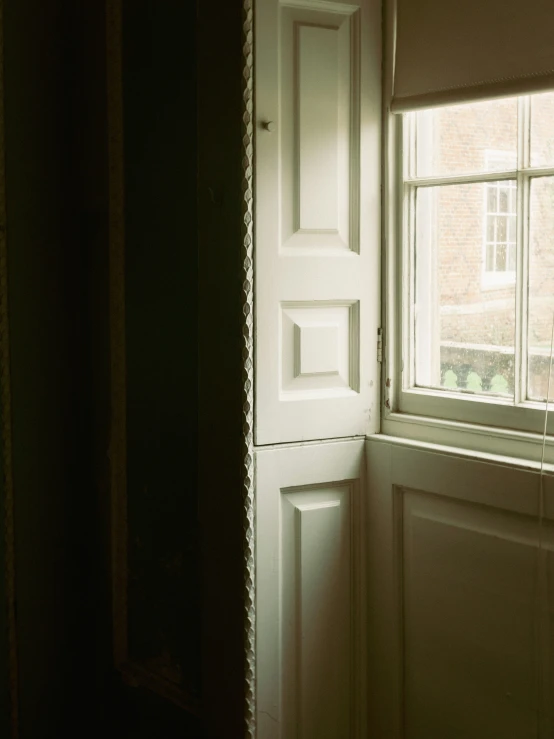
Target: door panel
x=317, y=219
x=457, y=641
x=310, y=592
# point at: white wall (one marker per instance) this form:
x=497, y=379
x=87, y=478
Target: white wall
x=456, y=638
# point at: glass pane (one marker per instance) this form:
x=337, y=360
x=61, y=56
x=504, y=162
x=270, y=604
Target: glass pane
x=479, y=137
x=464, y=324
x=512, y=257
x=512, y=229
x=501, y=228
x=542, y=130
x=503, y=200
x=491, y=199
x=501, y=257
x=513, y=200
x=490, y=258
x=541, y=285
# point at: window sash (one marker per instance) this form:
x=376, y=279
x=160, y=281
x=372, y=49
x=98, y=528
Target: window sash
x=401, y=394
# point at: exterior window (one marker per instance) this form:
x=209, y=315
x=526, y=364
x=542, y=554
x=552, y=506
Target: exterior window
x=477, y=259
x=499, y=255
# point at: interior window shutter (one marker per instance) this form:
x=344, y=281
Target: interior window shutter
x=452, y=52
x=318, y=95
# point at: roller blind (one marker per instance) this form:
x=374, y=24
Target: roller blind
x=447, y=51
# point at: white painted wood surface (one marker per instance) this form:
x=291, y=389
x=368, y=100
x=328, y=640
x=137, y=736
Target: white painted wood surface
x=317, y=251
x=317, y=227
x=456, y=640
x=311, y=592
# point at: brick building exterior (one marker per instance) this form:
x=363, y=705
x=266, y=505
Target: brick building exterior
x=469, y=231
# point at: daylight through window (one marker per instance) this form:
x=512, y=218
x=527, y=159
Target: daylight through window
x=478, y=218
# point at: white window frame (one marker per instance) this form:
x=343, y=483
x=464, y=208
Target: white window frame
x=495, y=278
x=486, y=424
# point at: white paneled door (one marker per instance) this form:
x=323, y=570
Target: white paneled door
x=461, y=614
x=311, y=592
x=317, y=219
x=317, y=267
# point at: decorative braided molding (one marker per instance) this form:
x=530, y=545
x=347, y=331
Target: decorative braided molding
x=6, y=415
x=248, y=372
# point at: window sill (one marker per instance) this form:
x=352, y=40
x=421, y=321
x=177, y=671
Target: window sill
x=498, y=280
x=492, y=443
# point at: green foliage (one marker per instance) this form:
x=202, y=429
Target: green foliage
x=499, y=384
x=450, y=379
x=474, y=382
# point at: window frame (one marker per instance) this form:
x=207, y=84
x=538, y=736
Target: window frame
x=441, y=415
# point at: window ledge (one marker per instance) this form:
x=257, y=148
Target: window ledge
x=498, y=281
x=501, y=445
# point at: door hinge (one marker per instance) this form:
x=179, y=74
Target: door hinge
x=379, y=344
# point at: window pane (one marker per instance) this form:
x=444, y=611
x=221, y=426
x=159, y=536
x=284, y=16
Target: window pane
x=490, y=258
x=511, y=257
x=491, y=199
x=501, y=257
x=479, y=137
x=512, y=229
x=503, y=201
x=541, y=284
x=513, y=200
x=542, y=130
x=464, y=330
x=501, y=228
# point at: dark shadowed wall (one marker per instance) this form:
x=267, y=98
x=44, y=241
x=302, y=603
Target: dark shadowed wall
x=182, y=151
x=50, y=368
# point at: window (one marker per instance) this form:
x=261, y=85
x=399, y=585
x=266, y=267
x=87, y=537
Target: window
x=477, y=261
x=499, y=242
